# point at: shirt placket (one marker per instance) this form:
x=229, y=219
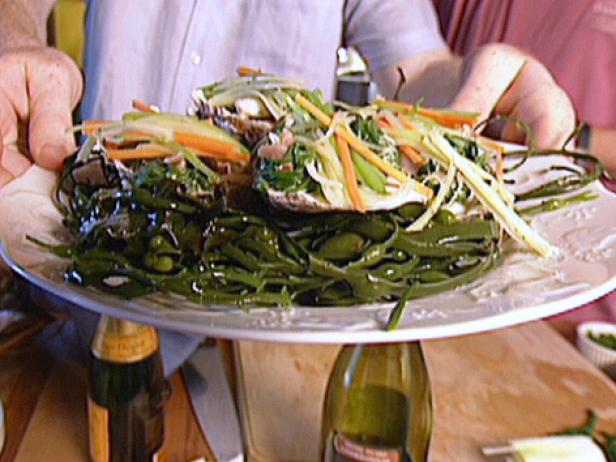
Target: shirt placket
x=192, y=59
x=214, y=25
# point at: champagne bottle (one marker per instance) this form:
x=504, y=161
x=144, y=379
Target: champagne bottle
x=378, y=405
x=126, y=393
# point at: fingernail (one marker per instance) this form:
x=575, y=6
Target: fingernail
x=52, y=156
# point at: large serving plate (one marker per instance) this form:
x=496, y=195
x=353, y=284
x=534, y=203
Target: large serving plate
x=523, y=288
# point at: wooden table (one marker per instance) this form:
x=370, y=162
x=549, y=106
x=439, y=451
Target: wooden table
x=516, y=382
x=44, y=394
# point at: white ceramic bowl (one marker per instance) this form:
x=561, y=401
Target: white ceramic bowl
x=601, y=356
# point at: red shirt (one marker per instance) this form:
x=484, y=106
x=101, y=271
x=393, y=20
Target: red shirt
x=575, y=39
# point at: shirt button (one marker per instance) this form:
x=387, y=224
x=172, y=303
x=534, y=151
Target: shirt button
x=196, y=58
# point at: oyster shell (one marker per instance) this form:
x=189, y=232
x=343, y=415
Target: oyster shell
x=303, y=202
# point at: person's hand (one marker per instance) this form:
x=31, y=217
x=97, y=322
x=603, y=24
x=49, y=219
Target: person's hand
x=500, y=80
x=39, y=87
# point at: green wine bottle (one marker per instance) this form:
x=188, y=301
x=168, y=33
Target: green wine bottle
x=126, y=393
x=378, y=406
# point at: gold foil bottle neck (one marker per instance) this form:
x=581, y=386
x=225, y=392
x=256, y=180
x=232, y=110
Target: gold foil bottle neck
x=121, y=341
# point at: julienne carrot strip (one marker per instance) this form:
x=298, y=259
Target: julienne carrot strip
x=217, y=148
x=200, y=146
x=156, y=153
x=144, y=107
x=125, y=139
x=413, y=155
x=500, y=166
x=370, y=156
x=447, y=119
x=136, y=154
x=407, y=124
x=244, y=71
x=352, y=140
x=221, y=157
x=90, y=127
x=349, y=174
x=410, y=152
x=204, y=143
x=135, y=135
x=451, y=119
x=395, y=105
x=383, y=124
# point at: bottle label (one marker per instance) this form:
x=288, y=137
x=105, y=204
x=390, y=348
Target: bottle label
x=98, y=422
x=348, y=450
x=125, y=348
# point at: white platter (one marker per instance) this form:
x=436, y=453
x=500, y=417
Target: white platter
x=523, y=288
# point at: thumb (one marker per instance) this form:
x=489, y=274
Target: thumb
x=55, y=87
x=487, y=74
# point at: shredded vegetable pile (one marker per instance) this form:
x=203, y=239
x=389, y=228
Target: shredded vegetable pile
x=269, y=195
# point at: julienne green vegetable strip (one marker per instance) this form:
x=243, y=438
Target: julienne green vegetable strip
x=248, y=257
x=369, y=174
x=551, y=205
x=588, y=429
x=147, y=226
x=514, y=225
x=190, y=156
x=422, y=290
x=270, y=247
x=436, y=203
x=606, y=441
x=566, y=183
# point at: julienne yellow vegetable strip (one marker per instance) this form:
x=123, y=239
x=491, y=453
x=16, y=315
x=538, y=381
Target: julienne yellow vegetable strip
x=354, y=142
x=370, y=156
x=411, y=153
x=315, y=111
x=416, y=140
x=202, y=146
x=508, y=218
x=407, y=123
x=488, y=144
x=165, y=125
x=497, y=198
x=435, y=204
x=349, y=174
x=409, y=148
x=424, y=145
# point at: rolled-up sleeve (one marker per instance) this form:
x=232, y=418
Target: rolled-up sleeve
x=388, y=31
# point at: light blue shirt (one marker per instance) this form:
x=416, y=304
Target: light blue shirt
x=158, y=51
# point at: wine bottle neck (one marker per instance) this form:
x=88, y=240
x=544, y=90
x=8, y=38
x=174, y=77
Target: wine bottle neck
x=121, y=341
